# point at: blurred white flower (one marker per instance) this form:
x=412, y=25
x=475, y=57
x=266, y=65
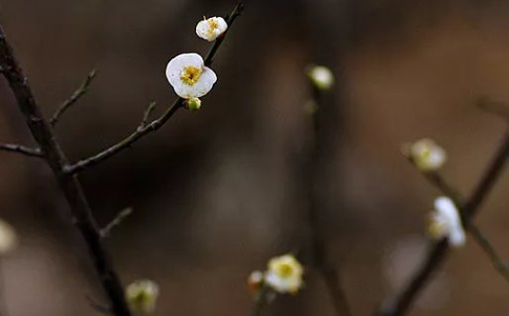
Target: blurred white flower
x=142, y=295
x=189, y=76
x=321, y=77
x=284, y=274
x=8, y=238
x=445, y=221
x=427, y=155
x=212, y=28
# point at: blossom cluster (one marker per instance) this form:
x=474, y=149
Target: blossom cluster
x=188, y=74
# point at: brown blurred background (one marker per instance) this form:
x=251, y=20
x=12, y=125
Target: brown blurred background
x=214, y=191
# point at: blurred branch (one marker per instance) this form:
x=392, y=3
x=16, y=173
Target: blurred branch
x=146, y=128
x=439, y=250
x=260, y=301
x=81, y=91
x=105, y=232
x=497, y=108
x=315, y=156
x=20, y=149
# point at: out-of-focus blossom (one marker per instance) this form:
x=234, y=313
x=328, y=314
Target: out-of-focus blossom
x=189, y=76
x=284, y=274
x=321, y=77
x=210, y=29
x=426, y=154
x=142, y=295
x=8, y=238
x=445, y=221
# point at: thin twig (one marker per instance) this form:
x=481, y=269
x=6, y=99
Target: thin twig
x=105, y=232
x=438, y=250
x=20, y=149
x=81, y=91
x=144, y=128
x=498, y=263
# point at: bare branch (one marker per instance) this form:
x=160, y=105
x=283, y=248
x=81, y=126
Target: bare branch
x=20, y=149
x=81, y=91
x=260, y=301
x=105, y=232
x=146, y=128
x=438, y=250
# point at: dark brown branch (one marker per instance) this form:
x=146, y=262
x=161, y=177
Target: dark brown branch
x=70, y=186
x=260, y=301
x=438, y=250
x=20, y=149
x=497, y=108
x=144, y=128
x=81, y=91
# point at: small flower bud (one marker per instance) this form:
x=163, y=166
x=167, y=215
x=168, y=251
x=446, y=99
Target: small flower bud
x=321, y=77
x=445, y=221
x=193, y=104
x=427, y=155
x=142, y=296
x=210, y=29
x=255, y=282
x=8, y=238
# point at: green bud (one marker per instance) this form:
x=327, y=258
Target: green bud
x=321, y=77
x=193, y=104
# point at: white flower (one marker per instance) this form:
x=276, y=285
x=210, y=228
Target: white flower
x=8, y=238
x=284, y=274
x=212, y=28
x=445, y=221
x=427, y=155
x=189, y=76
x=321, y=77
x=142, y=295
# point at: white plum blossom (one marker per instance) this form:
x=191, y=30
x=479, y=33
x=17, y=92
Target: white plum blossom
x=210, y=29
x=8, y=238
x=142, y=295
x=189, y=76
x=321, y=77
x=427, y=155
x=445, y=221
x=284, y=274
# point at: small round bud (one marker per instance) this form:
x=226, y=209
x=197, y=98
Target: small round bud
x=321, y=77
x=426, y=155
x=142, y=295
x=193, y=104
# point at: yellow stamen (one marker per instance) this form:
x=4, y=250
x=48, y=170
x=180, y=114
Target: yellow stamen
x=190, y=75
x=213, y=25
x=285, y=270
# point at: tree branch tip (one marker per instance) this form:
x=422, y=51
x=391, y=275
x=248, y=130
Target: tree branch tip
x=121, y=216
x=20, y=149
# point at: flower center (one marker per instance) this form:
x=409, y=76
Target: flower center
x=213, y=25
x=285, y=270
x=190, y=75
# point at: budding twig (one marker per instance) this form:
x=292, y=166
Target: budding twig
x=146, y=128
x=439, y=250
x=20, y=149
x=481, y=239
x=81, y=91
